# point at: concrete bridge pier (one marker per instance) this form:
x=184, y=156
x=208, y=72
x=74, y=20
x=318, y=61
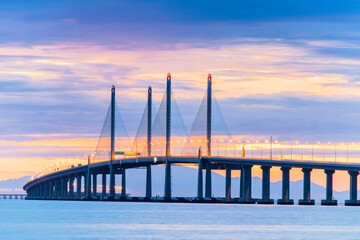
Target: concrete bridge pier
x=285, y=187
x=353, y=189
x=200, y=191
x=88, y=183
x=329, y=189
x=148, y=182
x=112, y=182
x=228, y=183
x=241, y=183
x=41, y=192
x=247, y=185
x=38, y=195
x=123, y=183
x=78, y=186
x=51, y=189
x=71, y=187
x=64, y=188
x=167, y=191
x=36, y=191
x=94, y=192
x=57, y=189
x=46, y=189
x=306, y=191
x=266, y=186
x=103, y=193
x=208, y=180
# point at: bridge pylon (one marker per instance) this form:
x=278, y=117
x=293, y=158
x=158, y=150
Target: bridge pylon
x=112, y=137
x=167, y=192
x=149, y=124
x=208, y=115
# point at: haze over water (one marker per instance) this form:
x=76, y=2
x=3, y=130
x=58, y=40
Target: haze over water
x=116, y=220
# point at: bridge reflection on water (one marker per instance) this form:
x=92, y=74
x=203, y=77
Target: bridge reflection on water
x=156, y=144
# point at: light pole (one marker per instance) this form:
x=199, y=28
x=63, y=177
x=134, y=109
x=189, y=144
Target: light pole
x=252, y=149
x=312, y=152
x=271, y=148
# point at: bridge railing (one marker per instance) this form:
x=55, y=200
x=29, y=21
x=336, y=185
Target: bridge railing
x=60, y=165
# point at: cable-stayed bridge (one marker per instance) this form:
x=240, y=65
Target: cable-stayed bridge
x=162, y=139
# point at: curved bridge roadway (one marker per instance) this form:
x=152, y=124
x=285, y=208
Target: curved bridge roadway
x=60, y=185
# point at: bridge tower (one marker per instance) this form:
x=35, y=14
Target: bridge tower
x=208, y=192
x=167, y=191
x=208, y=116
x=112, y=137
x=149, y=122
x=168, y=114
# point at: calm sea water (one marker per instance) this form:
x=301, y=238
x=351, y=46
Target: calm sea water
x=21, y=219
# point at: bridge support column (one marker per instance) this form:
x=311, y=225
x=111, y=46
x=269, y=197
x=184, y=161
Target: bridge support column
x=307, y=184
x=71, y=187
x=58, y=188
x=266, y=186
x=123, y=183
x=329, y=189
x=148, y=182
x=285, y=187
x=200, y=191
x=247, y=185
x=94, y=193
x=228, y=183
x=42, y=190
x=51, y=189
x=353, y=190
x=88, y=183
x=241, y=183
x=37, y=191
x=46, y=189
x=65, y=188
x=167, y=192
x=112, y=182
x=61, y=188
x=208, y=180
x=78, y=186
x=103, y=185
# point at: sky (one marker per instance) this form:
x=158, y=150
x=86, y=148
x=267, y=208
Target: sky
x=287, y=69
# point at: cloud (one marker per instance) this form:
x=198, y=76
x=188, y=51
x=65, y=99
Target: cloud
x=281, y=68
